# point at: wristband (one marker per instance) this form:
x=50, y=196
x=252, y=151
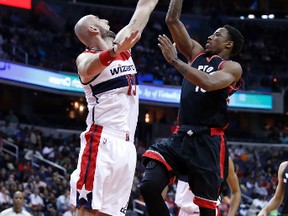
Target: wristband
x=105, y=58
x=174, y=60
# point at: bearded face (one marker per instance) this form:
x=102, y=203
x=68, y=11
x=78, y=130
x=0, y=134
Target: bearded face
x=106, y=33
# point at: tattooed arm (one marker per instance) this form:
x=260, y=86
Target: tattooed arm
x=187, y=46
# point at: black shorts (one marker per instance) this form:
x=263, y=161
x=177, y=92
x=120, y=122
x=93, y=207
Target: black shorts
x=200, y=153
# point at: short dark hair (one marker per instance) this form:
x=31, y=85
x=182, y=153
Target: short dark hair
x=237, y=38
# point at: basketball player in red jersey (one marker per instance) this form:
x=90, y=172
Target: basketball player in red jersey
x=102, y=181
x=198, y=149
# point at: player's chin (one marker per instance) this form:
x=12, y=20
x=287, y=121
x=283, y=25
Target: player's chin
x=208, y=52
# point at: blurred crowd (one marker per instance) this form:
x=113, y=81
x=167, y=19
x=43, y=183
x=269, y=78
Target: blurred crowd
x=44, y=37
x=46, y=187
x=49, y=42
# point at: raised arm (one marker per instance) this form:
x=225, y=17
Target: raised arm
x=90, y=64
x=233, y=184
x=187, y=46
x=229, y=73
x=139, y=19
x=277, y=199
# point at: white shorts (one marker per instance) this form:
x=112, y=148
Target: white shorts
x=183, y=213
x=105, y=171
x=184, y=200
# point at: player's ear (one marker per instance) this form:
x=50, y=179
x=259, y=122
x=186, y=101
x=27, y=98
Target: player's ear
x=229, y=44
x=93, y=29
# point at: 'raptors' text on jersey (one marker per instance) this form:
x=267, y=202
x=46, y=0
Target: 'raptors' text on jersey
x=198, y=107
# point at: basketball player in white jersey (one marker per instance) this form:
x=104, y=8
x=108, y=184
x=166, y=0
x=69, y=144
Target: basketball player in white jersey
x=102, y=182
x=184, y=196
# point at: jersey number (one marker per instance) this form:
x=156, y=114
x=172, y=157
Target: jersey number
x=197, y=89
x=132, y=84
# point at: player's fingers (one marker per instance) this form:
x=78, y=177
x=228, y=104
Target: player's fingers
x=134, y=34
x=161, y=40
x=136, y=38
x=165, y=39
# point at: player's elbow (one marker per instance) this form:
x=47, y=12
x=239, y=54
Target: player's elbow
x=170, y=20
x=237, y=195
x=153, y=3
x=147, y=4
x=212, y=84
x=206, y=86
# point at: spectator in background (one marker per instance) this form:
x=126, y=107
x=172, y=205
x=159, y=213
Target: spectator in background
x=11, y=117
x=70, y=212
x=3, y=172
x=28, y=185
x=33, y=151
x=9, y=130
x=17, y=209
x=2, y=53
x=38, y=183
x=35, y=137
x=49, y=202
x=63, y=202
x=5, y=198
x=48, y=151
x=23, y=168
x=239, y=152
x=36, y=202
x=259, y=202
x=283, y=135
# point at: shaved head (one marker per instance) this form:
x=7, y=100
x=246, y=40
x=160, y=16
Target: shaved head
x=82, y=28
x=88, y=26
x=18, y=201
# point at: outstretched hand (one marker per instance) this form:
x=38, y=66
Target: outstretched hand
x=127, y=43
x=168, y=48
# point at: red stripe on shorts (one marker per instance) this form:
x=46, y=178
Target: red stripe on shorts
x=204, y=203
x=220, y=132
x=157, y=156
x=88, y=162
x=222, y=157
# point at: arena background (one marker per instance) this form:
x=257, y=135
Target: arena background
x=40, y=123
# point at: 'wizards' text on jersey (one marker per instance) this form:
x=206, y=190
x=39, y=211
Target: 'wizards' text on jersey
x=113, y=96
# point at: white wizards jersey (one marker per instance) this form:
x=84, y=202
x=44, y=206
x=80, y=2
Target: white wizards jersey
x=112, y=96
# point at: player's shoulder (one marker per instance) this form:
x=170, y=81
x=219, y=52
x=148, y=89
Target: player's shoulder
x=88, y=53
x=235, y=66
x=6, y=212
x=26, y=213
x=282, y=166
x=232, y=62
x=85, y=56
